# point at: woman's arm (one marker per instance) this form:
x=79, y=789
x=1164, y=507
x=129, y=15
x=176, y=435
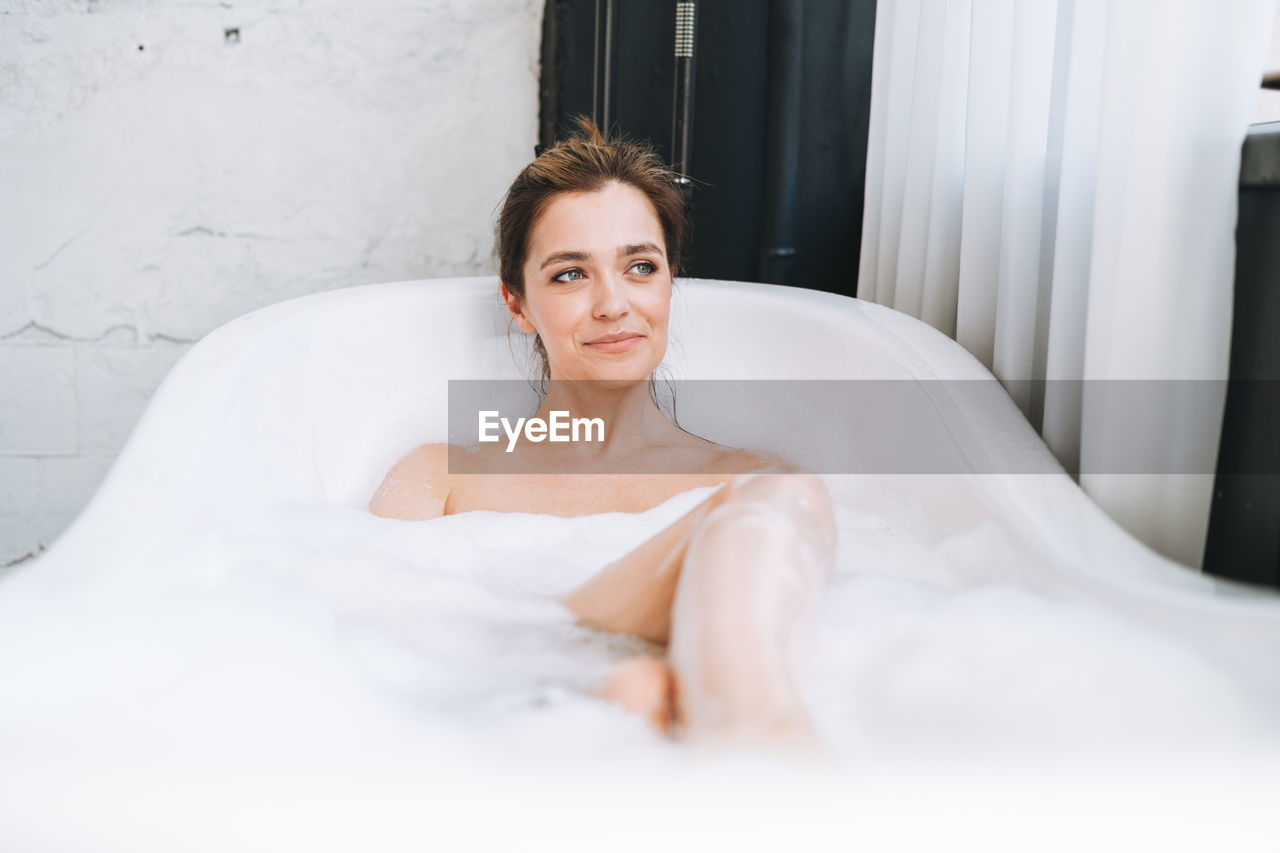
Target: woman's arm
x=417, y=487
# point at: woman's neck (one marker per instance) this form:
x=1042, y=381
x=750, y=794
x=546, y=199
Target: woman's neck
x=632, y=421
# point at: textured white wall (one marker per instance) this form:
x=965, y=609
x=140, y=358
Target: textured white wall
x=160, y=176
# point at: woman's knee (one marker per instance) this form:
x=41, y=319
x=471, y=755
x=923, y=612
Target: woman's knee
x=798, y=494
x=795, y=500
x=748, y=557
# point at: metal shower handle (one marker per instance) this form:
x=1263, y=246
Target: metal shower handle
x=682, y=108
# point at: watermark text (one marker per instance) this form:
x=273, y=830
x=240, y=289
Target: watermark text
x=559, y=427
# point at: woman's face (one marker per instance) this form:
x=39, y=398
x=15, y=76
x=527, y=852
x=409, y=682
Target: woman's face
x=597, y=286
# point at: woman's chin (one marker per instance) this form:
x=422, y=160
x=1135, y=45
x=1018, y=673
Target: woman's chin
x=613, y=383
x=609, y=377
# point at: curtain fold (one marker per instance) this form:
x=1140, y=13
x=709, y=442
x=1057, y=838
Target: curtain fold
x=1054, y=185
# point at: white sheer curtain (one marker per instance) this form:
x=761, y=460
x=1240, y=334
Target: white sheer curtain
x=1053, y=183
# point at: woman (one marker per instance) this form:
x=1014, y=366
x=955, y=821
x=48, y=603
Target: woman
x=589, y=239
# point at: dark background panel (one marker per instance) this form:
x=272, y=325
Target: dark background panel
x=741, y=210
x=727, y=166
x=1244, y=522
x=836, y=99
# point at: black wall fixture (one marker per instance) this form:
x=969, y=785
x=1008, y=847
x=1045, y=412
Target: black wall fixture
x=1244, y=522
x=778, y=135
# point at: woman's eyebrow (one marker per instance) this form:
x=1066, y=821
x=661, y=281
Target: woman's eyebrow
x=559, y=257
x=579, y=257
x=638, y=248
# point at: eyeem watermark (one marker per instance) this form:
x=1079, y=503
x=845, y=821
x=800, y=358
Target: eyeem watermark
x=891, y=426
x=560, y=427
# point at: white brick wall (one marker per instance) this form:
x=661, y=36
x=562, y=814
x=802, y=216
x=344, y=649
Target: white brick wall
x=159, y=177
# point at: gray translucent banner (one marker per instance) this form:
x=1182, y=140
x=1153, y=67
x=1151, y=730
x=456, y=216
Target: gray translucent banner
x=878, y=426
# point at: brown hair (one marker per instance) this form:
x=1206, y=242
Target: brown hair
x=585, y=162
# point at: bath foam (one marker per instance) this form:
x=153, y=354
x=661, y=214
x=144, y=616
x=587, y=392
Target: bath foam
x=323, y=629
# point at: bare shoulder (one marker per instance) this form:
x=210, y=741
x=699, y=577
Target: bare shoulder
x=417, y=486
x=732, y=460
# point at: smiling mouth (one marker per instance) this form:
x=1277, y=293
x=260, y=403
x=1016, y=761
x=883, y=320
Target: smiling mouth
x=616, y=343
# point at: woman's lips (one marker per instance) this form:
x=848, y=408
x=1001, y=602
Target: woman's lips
x=616, y=343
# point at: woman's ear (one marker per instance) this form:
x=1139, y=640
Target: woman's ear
x=513, y=305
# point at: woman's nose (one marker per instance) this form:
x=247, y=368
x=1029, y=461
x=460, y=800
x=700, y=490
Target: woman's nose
x=611, y=297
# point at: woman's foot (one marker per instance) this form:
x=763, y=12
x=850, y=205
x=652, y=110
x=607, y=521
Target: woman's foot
x=643, y=685
x=647, y=686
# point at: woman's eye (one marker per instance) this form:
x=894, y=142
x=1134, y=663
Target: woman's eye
x=645, y=267
x=569, y=275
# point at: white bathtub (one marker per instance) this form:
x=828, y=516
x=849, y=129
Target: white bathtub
x=313, y=400
x=306, y=404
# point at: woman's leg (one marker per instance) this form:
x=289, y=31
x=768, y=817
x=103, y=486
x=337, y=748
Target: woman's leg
x=633, y=595
x=752, y=574
x=727, y=585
